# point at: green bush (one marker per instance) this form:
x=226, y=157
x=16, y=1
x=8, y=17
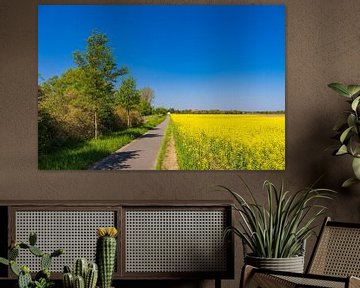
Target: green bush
x=46, y=131
x=120, y=116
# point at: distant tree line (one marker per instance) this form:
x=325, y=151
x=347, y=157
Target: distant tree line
x=217, y=111
x=84, y=103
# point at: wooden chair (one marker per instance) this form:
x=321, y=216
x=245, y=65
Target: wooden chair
x=335, y=262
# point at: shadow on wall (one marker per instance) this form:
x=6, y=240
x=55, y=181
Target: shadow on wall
x=309, y=152
x=333, y=169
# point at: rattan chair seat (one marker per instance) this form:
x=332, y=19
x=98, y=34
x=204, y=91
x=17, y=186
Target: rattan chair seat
x=335, y=262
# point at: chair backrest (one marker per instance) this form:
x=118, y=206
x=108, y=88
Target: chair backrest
x=337, y=251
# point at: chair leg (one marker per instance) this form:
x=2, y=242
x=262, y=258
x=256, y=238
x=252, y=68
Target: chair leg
x=246, y=273
x=217, y=283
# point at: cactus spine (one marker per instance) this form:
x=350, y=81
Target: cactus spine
x=36, y=251
x=32, y=239
x=68, y=280
x=14, y=268
x=91, y=276
x=79, y=282
x=84, y=275
x=45, y=261
x=106, y=254
x=13, y=253
x=80, y=267
x=24, y=280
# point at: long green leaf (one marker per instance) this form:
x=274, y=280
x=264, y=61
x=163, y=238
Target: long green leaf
x=279, y=228
x=340, y=88
x=351, y=120
x=349, y=182
x=345, y=134
x=248, y=190
x=356, y=167
x=355, y=103
x=353, y=89
x=4, y=261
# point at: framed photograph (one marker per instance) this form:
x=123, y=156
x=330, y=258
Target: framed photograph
x=161, y=87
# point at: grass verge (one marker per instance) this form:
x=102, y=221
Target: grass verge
x=82, y=156
x=164, y=145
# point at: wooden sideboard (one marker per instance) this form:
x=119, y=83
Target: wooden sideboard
x=157, y=240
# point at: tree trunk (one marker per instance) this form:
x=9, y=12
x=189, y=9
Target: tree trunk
x=95, y=126
x=128, y=119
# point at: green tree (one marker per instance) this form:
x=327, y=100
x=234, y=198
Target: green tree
x=64, y=109
x=101, y=72
x=128, y=97
x=160, y=111
x=146, y=99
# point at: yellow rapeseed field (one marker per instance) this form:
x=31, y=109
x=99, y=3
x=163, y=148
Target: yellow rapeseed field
x=230, y=142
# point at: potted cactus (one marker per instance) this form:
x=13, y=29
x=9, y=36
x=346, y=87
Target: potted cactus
x=106, y=254
x=42, y=278
x=84, y=275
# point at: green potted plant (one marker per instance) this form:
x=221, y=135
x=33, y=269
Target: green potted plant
x=84, y=274
x=42, y=278
x=348, y=132
x=275, y=234
x=106, y=254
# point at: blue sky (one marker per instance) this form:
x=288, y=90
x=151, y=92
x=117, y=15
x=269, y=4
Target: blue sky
x=192, y=56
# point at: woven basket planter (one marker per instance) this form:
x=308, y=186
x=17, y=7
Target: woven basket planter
x=291, y=264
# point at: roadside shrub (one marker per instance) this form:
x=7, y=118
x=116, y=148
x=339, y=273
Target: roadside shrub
x=46, y=131
x=121, y=118
x=68, y=125
x=76, y=125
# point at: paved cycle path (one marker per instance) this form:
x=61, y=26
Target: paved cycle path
x=140, y=154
